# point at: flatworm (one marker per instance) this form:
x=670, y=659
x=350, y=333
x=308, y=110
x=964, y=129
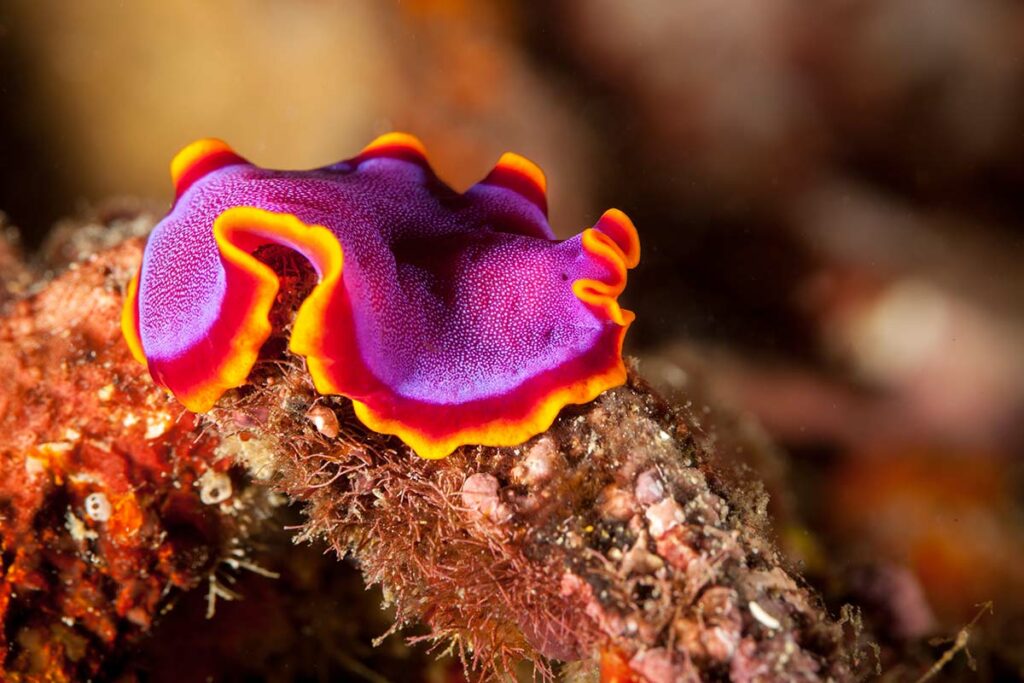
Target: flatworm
x=448, y=318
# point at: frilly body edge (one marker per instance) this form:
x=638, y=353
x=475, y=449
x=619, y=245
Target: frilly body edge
x=447, y=318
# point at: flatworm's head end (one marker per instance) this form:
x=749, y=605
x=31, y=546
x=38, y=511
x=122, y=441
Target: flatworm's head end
x=617, y=225
x=613, y=242
x=198, y=159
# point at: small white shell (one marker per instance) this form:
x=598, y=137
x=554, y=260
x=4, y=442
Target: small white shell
x=766, y=619
x=214, y=487
x=97, y=507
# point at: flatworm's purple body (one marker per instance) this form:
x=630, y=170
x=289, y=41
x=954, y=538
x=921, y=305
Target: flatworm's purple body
x=448, y=318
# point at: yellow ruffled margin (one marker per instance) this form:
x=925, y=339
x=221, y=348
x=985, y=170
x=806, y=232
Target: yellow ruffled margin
x=239, y=228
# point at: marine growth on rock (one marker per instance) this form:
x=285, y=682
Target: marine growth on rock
x=448, y=318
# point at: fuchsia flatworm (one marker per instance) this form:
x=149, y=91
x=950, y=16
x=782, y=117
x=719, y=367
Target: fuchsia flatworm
x=448, y=318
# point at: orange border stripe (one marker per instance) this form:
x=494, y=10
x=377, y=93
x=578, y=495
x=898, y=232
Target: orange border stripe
x=396, y=140
x=525, y=167
x=199, y=158
x=130, y=319
x=252, y=287
x=238, y=231
x=623, y=233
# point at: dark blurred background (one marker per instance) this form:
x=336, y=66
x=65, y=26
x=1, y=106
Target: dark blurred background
x=830, y=197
